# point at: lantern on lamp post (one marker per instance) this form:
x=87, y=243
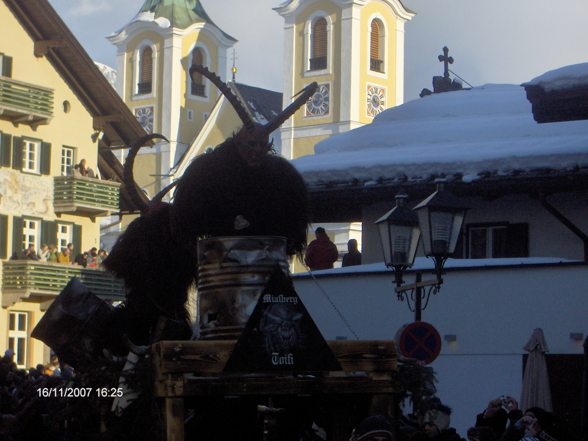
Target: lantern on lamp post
x=399, y=235
x=437, y=220
x=441, y=217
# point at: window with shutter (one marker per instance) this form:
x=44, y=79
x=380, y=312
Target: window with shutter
x=497, y=240
x=145, y=71
x=376, y=46
x=3, y=236
x=77, y=239
x=17, y=153
x=5, y=149
x=319, y=46
x=5, y=65
x=17, y=227
x=67, y=160
x=197, y=86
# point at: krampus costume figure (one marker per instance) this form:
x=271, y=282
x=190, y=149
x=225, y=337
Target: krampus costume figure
x=239, y=189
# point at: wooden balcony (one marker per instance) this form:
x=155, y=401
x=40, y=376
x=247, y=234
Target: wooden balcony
x=29, y=280
x=23, y=103
x=85, y=196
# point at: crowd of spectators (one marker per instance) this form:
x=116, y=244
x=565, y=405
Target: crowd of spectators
x=24, y=414
x=92, y=258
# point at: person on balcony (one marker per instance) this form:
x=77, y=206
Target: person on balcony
x=353, y=256
x=64, y=256
x=44, y=253
x=84, y=170
x=321, y=252
x=30, y=253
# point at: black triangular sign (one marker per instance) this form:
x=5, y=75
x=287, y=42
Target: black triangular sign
x=280, y=335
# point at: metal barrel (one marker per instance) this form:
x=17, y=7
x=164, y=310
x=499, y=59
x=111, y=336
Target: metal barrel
x=232, y=274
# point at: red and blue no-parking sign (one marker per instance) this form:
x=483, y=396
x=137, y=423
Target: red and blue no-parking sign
x=421, y=341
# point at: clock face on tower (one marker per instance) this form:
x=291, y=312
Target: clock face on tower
x=319, y=103
x=376, y=100
x=145, y=117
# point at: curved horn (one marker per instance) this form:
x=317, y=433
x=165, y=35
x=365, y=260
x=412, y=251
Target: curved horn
x=129, y=179
x=226, y=91
x=303, y=97
x=159, y=196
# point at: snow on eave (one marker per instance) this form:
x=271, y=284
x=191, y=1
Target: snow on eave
x=425, y=264
x=567, y=77
x=486, y=130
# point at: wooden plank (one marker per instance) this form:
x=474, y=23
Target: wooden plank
x=174, y=419
x=274, y=386
x=210, y=356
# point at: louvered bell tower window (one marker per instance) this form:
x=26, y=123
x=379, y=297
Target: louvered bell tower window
x=145, y=72
x=376, y=46
x=318, y=56
x=197, y=85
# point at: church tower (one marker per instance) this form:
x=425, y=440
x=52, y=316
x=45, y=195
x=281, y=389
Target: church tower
x=155, y=51
x=354, y=50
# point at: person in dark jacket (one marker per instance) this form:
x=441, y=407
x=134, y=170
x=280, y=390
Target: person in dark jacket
x=353, y=256
x=321, y=253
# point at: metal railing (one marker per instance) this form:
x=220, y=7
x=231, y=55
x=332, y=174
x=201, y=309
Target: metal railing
x=376, y=65
x=144, y=88
x=26, y=99
x=24, y=278
x=318, y=63
x=198, y=89
x=82, y=194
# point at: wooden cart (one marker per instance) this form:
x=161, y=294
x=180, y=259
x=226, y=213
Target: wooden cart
x=192, y=371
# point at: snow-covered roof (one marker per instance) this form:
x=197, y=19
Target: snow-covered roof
x=564, y=78
x=426, y=264
x=465, y=135
x=109, y=73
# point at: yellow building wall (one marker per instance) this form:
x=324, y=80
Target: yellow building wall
x=198, y=105
x=31, y=195
x=302, y=78
x=386, y=15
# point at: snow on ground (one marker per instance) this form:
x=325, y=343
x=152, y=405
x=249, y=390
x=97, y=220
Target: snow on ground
x=566, y=77
x=469, y=132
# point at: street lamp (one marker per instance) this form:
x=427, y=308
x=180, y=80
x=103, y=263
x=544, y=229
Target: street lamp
x=438, y=221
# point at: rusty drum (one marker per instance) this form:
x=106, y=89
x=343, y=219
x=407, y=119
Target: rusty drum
x=232, y=273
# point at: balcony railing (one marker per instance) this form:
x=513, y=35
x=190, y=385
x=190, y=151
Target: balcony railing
x=318, y=63
x=376, y=65
x=198, y=89
x=30, y=280
x=144, y=88
x=85, y=196
x=25, y=103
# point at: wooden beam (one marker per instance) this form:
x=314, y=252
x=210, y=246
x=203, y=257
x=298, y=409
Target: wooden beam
x=100, y=122
x=210, y=356
x=42, y=46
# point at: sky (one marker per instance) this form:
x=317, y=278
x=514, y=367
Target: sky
x=503, y=41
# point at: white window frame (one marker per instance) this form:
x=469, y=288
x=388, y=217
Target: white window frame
x=64, y=235
x=15, y=335
x=31, y=233
x=308, y=44
x=137, y=70
x=383, y=46
x=31, y=156
x=206, y=61
x=68, y=156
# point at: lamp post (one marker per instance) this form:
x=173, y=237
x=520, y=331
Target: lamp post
x=437, y=220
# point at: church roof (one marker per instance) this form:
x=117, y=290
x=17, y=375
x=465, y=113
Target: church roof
x=180, y=13
x=263, y=104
